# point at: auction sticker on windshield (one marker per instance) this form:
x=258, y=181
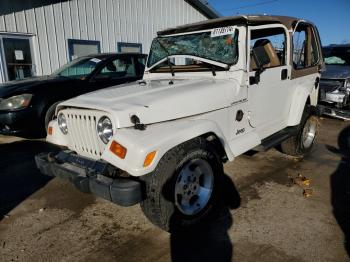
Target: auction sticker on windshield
x=228, y=30
x=95, y=60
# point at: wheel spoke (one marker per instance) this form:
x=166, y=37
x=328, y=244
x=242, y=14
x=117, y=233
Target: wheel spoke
x=185, y=201
x=203, y=192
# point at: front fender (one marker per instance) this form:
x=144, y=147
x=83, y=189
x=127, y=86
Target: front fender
x=160, y=138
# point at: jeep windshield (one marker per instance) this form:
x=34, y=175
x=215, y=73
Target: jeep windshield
x=337, y=55
x=195, y=51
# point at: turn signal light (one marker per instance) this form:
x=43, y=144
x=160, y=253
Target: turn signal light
x=118, y=149
x=49, y=130
x=149, y=159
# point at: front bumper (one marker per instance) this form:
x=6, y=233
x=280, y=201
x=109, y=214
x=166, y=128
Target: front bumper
x=21, y=122
x=90, y=176
x=343, y=114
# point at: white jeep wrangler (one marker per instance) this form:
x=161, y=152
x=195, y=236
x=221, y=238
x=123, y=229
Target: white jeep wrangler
x=211, y=91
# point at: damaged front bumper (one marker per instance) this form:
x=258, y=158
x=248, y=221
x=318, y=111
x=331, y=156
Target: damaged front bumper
x=337, y=113
x=92, y=176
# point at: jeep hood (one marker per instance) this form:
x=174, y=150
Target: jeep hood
x=158, y=100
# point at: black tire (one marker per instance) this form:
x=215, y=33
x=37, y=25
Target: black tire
x=159, y=205
x=295, y=145
x=50, y=114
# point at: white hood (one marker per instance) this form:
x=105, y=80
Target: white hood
x=158, y=100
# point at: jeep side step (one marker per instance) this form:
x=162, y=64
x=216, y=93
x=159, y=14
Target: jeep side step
x=277, y=138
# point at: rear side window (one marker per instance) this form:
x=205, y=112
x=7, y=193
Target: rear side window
x=305, y=48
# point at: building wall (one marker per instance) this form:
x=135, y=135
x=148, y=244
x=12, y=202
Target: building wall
x=108, y=21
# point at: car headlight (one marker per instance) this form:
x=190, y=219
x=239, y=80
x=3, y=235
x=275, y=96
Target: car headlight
x=105, y=129
x=16, y=102
x=62, y=123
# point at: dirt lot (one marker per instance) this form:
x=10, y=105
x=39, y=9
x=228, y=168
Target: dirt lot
x=267, y=217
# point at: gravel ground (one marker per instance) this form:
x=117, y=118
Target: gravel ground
x=267, y=218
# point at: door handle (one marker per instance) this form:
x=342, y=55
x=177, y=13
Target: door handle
x=284, y=74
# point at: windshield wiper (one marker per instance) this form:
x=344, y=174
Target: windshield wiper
x=168, y=55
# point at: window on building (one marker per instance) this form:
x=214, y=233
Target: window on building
x=129, y=47
x=16, y=57
x=273, y=40
x=78, y=48
x=305, y=50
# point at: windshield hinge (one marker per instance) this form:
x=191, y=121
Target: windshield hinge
x=136, y=121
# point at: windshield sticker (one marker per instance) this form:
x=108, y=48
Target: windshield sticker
x=228, y=30
x=95, y=60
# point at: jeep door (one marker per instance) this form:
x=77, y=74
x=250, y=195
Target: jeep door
x=269, y=86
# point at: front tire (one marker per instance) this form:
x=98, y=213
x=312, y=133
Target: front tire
x=183, y=190
x=301, y=144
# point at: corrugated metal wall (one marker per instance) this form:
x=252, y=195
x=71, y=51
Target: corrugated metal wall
x=108, y=21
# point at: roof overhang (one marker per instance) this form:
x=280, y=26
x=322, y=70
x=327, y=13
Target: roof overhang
x=204, y=8
x=233, y=20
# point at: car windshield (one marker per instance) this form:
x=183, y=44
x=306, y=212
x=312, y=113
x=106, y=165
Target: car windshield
x=337, y=55
x=219, y=45
x=79, y=68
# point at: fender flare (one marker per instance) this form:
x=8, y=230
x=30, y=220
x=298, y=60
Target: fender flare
x=298, y=103
x=161, y=138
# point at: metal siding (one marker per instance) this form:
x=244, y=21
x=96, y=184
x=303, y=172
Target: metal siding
x=97, y=19
x=90, y=19
x=10, y=22
x=32, y=28
x=110, y=26
x=74, y=16
x=60, y=34
x=51, y=37
x=43, y=42
x=82, y=19
x=2, y=23
x=104, y=26
x=21, y=22
x=116, y=21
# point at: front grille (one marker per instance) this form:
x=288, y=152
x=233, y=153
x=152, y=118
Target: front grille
x=82, y=132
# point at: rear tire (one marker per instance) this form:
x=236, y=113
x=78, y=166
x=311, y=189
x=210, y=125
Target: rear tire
x=183, y=190
x=301, y=144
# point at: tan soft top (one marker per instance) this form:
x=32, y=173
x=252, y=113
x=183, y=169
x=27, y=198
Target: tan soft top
x=289, y=22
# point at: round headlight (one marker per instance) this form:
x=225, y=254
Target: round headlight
x=62, y=123
x=105, y=129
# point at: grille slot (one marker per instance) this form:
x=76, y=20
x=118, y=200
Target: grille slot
x=82, y=132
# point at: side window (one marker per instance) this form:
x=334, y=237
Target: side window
x=305, y=49
x=273, y=41
x=120, y=67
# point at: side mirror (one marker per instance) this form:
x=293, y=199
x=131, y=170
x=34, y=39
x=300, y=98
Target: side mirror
x=261, y=59
x=260, y=56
